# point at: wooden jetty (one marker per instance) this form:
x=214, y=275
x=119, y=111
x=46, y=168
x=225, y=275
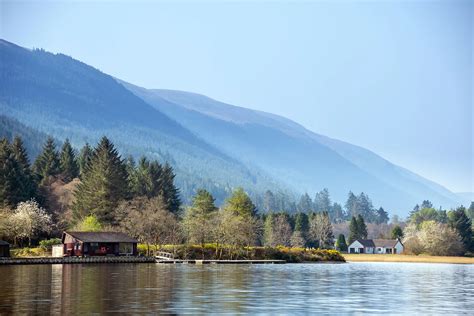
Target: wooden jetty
x=174, y=261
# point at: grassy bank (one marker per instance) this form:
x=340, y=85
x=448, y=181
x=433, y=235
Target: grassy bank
x=212, y=252
x=406, y=258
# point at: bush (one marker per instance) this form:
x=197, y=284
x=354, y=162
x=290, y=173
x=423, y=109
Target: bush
x=49, y=243
x=212, y=252
x=28, y=252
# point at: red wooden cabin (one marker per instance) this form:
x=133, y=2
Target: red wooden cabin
x=98, y=244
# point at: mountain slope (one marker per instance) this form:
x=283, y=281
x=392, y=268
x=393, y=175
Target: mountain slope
x=290, y=152
x=57, y=95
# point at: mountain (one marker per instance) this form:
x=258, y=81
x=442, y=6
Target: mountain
x=57, y=95
x=305, y=160
x=211, y=144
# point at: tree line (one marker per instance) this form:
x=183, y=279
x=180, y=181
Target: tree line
x=111, y=193
x=355, y=205
x=439, y=232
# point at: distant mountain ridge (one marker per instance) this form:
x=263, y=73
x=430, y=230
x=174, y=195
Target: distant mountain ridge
x=383, y=180
x=211, y=144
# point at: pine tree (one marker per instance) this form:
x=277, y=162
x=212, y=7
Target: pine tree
x=382, y=216
x=470, y=212
x=168, y=190
x=269, y=203
x=353, y=230
x=397, y=232
x=351, y=206
x=240, y=204
x=47, y=163
x=338, y=214
x=341, y=244
x=10, y=175
x=104, y=184
x=322, y=201
x=268, y=230
x=302, y=222
x=365, y=207
x=155, y=171
x=426, y=204
x=27, y=181
x=197, y=219
x=459, y=221
x=361, y=227
x=84, y=157
x=68, y=163
x=305, y=204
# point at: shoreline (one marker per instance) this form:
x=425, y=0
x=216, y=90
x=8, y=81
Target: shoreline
x=114, y=260
x=407, y=258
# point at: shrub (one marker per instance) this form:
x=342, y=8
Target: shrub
x=49, y=243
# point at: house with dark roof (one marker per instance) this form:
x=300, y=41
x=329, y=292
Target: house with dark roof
x=4, y=249
x=376, y=246
x=98, y=244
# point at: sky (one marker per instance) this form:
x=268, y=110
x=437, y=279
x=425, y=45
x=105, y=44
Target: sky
x=395, y=77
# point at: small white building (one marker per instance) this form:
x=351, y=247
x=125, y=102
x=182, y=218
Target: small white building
x=376, y=246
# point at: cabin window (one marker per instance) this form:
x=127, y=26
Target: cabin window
x=94, y=244
x=126, y=248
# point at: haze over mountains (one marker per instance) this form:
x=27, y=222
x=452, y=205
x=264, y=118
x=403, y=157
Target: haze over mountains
x=211, y=144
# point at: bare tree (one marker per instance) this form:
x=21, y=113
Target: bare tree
x=281, y=231
x=297, y=239
x=320, y=230
x=149, y=221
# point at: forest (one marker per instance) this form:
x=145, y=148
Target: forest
x=94, y=189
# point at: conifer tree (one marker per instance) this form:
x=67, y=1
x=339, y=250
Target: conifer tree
x=351, y=206
x=27, y=181
x=10, y=175
x=155, y=171
x=240, y=204
x=361, y=227
x=168, y=190
x=341, y=244
x=305, y=204
x=68, y=163
x=353, y=230
x=198, y=218
x=397, y=232
x=459, y=221
x=47, y=163
x=84, y=157
x=104, y=184
x=268, y=230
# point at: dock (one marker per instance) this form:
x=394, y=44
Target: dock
x=126, y=259
x=177, y=261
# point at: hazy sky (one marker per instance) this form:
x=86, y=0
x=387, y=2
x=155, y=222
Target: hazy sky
x=395, y=77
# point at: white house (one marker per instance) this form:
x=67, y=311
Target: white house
x=376, y=246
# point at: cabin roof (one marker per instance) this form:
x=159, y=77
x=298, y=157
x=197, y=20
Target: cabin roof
x=383, y=243
x=100, y=237
x=4, y=243
x=366, y=242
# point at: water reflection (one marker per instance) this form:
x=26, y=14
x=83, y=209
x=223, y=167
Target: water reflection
x=236, y=289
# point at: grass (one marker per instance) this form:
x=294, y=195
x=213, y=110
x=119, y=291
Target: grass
x=406, y=258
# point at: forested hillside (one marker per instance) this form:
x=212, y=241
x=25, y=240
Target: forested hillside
x=57, y=95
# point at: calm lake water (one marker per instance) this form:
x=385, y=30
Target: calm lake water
x=266, y=289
